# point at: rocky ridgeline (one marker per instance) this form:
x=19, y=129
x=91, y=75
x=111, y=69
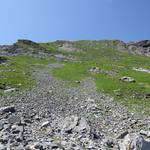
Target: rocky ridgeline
x=141, y=48
x=30, y=47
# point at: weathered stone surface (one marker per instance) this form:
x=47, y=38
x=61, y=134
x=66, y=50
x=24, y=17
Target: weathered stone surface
x=146, y=133
x=9, y=90
x=83, y=126
x=7, y=109
x=45, y=124
x=69, y=123
x=95, y=70
x=2, y=147
x=134, y=142
x=14, y=119
x=127, y=79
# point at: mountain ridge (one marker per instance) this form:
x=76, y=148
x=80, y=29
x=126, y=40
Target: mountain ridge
x=140, y=48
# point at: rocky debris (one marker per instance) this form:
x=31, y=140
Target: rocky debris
x=142, y=47
x=27, y=47
x=134, y=141
x=63, y=57
x=9, y=90
x=53, y=116
x=69, y=123
x=127, y=79
x=145, y=43
x=145, y=133
x=45, y=124
x=6, y=88
x=77, y=81
x=95, y=70
x=141, y=70
x=3, y=59
x=7, y=109
x=67, y=46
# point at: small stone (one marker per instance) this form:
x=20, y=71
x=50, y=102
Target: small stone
x=1, y=125
x=127, y=79
x=83, y=126
x=35, y=146
x=122, y=135
x=2, y=147
x=9, y=90
x=7, y=109
x=14, y=119
x=45, y=124
x=69, y=123
x=109, y=143
x=17, y=129
x=37, y=118
x=78, y=82
x=28, y=121
x=38, y=146
x=4, y=139
x=145, y=133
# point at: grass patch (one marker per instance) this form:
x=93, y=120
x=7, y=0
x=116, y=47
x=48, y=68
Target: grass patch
x=16, y=72
x=114, y=65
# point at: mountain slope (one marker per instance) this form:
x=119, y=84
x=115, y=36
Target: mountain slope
x=80, y=95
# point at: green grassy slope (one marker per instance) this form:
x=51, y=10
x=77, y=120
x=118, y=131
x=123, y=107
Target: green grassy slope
x=114, y=65
x=101, y=54
x=16, y=72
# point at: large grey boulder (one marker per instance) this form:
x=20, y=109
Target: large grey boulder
x=134, y=141
x=83, y=126
x=69, y=123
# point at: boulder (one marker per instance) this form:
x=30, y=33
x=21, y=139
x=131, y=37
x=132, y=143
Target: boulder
x=69, y=123
x=127, y=79
x=7, y=109
x=83, y=126
x=145, y=133
x=2, y=147
x=95, y=70
x=134, y=141
x=9, y=90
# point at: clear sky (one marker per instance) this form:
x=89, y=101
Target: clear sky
x=49, y=20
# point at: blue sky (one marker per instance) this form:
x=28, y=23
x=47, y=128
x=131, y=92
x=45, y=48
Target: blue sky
x=49, y=20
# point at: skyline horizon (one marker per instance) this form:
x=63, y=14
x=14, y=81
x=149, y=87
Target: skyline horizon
x=75, y=40
x=51, y=20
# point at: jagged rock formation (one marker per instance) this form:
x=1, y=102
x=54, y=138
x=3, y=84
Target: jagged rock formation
x=142, y=47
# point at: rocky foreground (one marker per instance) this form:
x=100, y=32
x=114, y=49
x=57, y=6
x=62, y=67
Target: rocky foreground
x=55, y=116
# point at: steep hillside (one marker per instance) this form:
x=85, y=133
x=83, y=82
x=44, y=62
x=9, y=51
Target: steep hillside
x=75, y=95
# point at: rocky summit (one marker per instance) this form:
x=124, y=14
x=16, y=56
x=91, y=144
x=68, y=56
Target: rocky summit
x=63, y=99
